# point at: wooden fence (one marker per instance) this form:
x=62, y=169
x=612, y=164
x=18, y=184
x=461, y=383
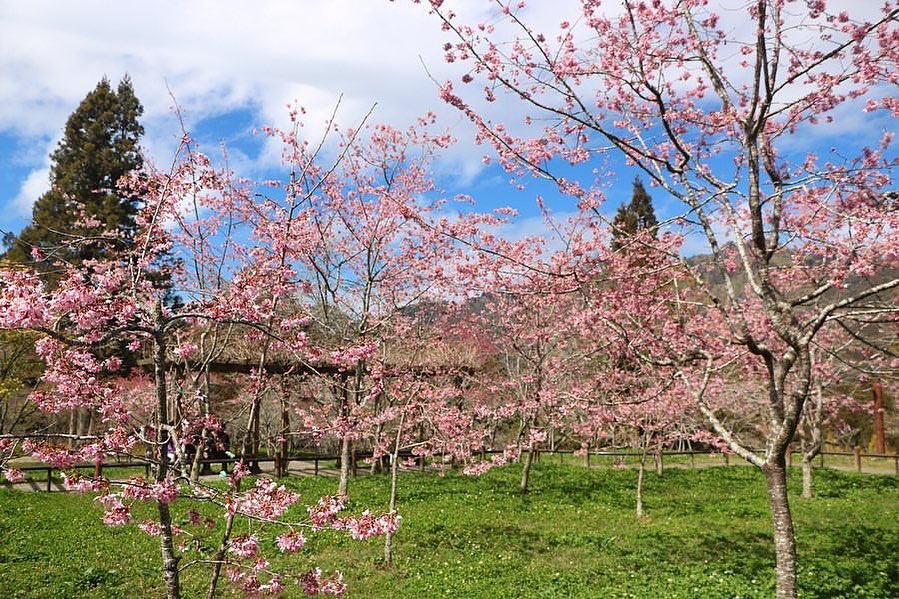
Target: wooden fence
x=853, y=461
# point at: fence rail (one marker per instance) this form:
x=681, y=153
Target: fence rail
x=855, y=461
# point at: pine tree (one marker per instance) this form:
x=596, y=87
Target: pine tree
x=636, y=216
x=83, y=210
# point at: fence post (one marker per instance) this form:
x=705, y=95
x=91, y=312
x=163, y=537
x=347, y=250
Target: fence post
x=858, y=459
x=49, y=478
x=821, y=455
x=896, y=459
x=790, y=455
x=692, y=461
x=726, y=459
x=316, y=466
x=587, y=459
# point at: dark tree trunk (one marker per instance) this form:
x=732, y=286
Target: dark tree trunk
x=203, y=440
x=251, y=439
x=283, y=450
x=377, y=464
x=526, y=470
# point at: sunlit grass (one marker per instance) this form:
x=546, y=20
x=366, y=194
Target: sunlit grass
x=707, y=534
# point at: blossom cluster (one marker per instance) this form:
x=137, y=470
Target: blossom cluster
x=266, y=500
x=13, y=475
x=75, y=481
x=116, y=512
x=367, y=525
x=291, y=542
x=250, y=583
x=324, y=515
x=244, y=546
x=315, y=584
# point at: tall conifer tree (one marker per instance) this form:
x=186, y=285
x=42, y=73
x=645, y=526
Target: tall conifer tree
x=99, y=146
x=638, y=215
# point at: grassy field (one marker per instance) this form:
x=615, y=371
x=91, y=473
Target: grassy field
x=707, y=535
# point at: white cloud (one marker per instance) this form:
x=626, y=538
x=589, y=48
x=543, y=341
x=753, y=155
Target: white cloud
x=37, y=182
x=219, y=56
x=215, y=56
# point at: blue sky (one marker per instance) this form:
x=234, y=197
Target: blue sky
x=233, y=66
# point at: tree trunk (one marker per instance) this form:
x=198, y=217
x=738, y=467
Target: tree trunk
x=169, y=559
x=200, y=447
x=283, y=441
x=394, y=475
x=251, y=439
x=784, y=536
x=660, y=466
x=806, y=477
x=220, y=555
x=346, y=450
x=388, y=540
x=377, y=464
x=87, y=421
x=879, y=436
x=72, y=428
x=526, y=470
x=640, y=473
x=813, y=439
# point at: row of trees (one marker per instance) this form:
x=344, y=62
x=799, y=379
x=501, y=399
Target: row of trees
x=711, y=115
x=361, y=306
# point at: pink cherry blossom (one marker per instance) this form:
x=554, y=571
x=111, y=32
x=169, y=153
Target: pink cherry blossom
x=244, y=546
x=13, y=475
x=291, y=542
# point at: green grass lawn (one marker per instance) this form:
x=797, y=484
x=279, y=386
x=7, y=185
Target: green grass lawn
x=708, y=534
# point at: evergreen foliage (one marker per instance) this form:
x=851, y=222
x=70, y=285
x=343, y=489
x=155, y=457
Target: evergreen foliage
x=636, y=216
x=83, y=206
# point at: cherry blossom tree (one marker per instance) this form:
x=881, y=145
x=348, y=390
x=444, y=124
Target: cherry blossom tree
x=523, y=325
x=197, y=231
x=847, y=358
x=365, y=255
x=715, y=114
